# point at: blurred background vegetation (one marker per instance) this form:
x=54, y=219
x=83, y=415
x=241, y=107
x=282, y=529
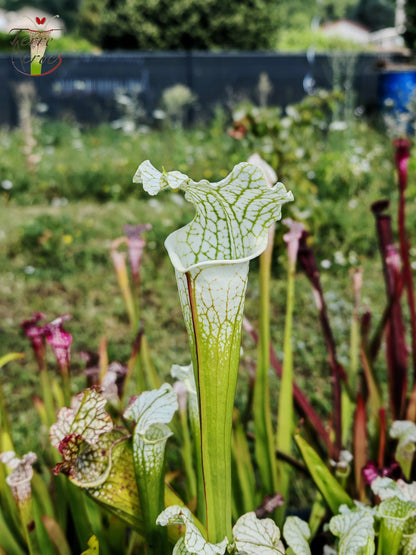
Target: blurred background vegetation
x=213, y=24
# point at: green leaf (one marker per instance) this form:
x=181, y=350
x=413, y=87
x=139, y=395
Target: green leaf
x=296, y=533
x=405, y=432
x=42, y=495
x=185, y=388
x=6, y=443
x=318, y=514
x=330, y=488
x=285, y=404
x=253, y=536
x=8, y=539
x=193, y=541
x=243, y=475
x=355, y=530
x=93, y=547
x=118, y=492
x=9, y=357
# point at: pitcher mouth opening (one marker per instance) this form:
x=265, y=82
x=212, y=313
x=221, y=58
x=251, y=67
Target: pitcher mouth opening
x=175, y=258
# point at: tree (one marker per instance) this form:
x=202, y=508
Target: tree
x=374, y=14
x=410, y=33
x=179, y=24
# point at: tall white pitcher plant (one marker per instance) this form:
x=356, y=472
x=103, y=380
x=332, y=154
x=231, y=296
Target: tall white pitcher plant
x=211, y=256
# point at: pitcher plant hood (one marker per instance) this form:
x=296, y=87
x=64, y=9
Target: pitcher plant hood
x=232, y=216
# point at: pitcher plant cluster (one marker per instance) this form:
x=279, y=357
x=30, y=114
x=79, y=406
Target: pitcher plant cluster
x=113, y=477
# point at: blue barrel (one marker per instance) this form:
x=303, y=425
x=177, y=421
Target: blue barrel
x=396, y=89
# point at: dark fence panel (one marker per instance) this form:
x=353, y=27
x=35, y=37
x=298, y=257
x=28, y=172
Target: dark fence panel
x=84, y=85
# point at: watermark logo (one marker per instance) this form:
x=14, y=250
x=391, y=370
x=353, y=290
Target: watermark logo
x=29, y=48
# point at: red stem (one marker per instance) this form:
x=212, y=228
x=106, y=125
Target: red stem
x=382, y=439
x=396, y=351
x=308, y=262
x=360, y=445
x=302, y=403
x=402, y=147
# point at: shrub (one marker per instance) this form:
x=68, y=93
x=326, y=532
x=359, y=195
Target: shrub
x=179, y=24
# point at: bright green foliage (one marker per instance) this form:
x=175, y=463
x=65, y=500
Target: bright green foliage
x=93, y=547
x=293, y=40
x=331, y=490
x=286, y=406
x=245, y=494
x=185, y=374
x=179, y=24
x=297, y=15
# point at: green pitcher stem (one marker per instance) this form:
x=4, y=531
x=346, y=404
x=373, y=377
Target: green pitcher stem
x=149, y=463
x=151, y=411
x=211, y=257
x=4, y=417
x=264, y=445
x=196, y=433
x=216, y=367
x=66, y=384
x=27, y=520
x=187, y=455
x=285, y=411
x=35, y=66
x=47, y=395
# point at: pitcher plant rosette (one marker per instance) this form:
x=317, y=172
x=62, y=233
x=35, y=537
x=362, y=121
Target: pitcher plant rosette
x=211, y=256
